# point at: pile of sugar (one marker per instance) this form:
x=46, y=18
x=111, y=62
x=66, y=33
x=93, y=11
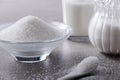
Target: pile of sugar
x=29, y=29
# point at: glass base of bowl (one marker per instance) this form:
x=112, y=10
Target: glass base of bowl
x=31, y=59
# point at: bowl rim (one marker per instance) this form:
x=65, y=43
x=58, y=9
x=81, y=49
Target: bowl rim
x=47, y=41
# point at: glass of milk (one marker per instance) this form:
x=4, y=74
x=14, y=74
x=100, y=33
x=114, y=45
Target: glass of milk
x=77, y=14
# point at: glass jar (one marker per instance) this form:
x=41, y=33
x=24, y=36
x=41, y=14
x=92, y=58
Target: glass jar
x=104, y=28
x=77, y=14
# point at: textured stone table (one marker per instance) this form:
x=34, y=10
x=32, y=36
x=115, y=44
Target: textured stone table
x=62, y=58
x=58, y=64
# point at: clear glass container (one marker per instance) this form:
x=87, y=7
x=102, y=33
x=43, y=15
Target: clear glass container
x=13, y=10
x=77, y=14
x=104, y=28
x=30, y=52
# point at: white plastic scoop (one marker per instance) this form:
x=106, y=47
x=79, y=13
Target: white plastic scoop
x=85, y=67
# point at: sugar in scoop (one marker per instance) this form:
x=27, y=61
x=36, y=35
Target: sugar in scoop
x=86, y=66
x=30, y=29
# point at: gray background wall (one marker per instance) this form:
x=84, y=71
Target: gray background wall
x=12, y=10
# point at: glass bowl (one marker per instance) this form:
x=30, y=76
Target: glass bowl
x=30, y=52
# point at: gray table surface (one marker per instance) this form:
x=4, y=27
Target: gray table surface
x=62, y=58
